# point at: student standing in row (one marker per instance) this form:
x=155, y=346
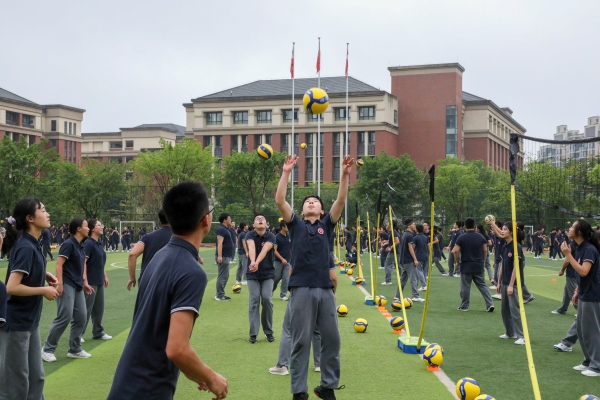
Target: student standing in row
x=421, y=243
x=570, y=283
x=281, y=261
x=438, y=250
x=21, y=369
x=408, y=261
x=240, y=274
x=223, y=255
x=456, y=232
x=390, y=260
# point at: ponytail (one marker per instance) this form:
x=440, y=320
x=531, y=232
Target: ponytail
x=520, y=232
x=17, y=223
x=584, y=229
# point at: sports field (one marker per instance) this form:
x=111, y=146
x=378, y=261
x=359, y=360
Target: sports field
x=372, y=365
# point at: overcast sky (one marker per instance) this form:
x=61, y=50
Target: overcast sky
x=133, y=62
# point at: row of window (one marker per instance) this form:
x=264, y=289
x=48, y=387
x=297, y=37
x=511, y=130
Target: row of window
x=118, y=145
x=16, y=136
x=451, y=131
x=27, y=121
x=265, y=116
x=70, y=128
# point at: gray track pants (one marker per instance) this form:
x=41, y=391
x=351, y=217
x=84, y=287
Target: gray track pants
x=21, y=369
x=511, y=316
x=95, y=310
x=588, y=326
x=285, y=344
x=223, y=275
x=389, y=266
x=309, y=308
x=440, y=267
x=282, y=273
x=571, y=338
x=465, y=288
x=409, y=271
x=240, y=273
x=70, y=309
x=569, y=290
x=260, y=292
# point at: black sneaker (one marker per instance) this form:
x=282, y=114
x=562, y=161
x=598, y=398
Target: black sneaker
x=300, y=396
x=225, y=298
x=252, y=339
x=489, y=309
x=528, y=300
x=270, y=337
x=324, y=393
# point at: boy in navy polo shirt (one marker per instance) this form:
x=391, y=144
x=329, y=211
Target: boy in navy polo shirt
x=240, y=273
x=408, y=261
x=223, y=255
x=456, y=232
x=422, y=253
x=168, y=303
x=281, y=261
x=312, y=298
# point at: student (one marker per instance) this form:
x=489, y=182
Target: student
x=233, y=232
x=115, y=239
x=480, y=229
x=470, y=250
x=240, y=274
x=261, y=273
x=169, y=298
x=456, y=232
x=384, y=238
x=421, y=243
x=281, y=261
x=553, y=243
x=21, y=369
x=351, y=256
x=312, y=292
x=586, y=262
x=438, y=250
x=95, y=280
x=570, y=283
x=348, y=239
x=126, y=239
x=147, y=247
x=390, y=260
x=408, y=261
x=223, y=255
x=71, y=307
x=46, y=242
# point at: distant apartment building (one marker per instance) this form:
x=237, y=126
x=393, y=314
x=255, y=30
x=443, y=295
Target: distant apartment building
x=558, y=153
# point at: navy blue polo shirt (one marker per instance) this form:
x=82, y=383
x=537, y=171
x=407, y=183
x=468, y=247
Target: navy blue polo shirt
x=233, y=234
x=421, y=247
x=227, y=249
x=589, y=285
x=153, y=242
x=437, y=248
x=284, y=246
x=73, y=252
x=455, y=234
x=310, y=252
x=265, y=270
x=46, y=239
x=173, y=281
x=552, y=237
x=508, y=263
x=349, y=240
x=407, y=240
x=498, y=245
x=241, y=236
x=3, y=299
x=96, y=259
x=570, y=271
x=384, y=237
x=471, y=252
x=23, y=312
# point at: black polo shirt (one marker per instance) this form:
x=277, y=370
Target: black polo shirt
x=23, y=312
x=3, y=299
x=46, y=239
x=73, y=252
x=172, y=282
x=437, y=248
x=227, y=249
x=589, y=285
x=471, y=252
x=241, y=237
x=96, y=259
x=265, y=270
x=406, y=240
x=508, y=263
x=570, y=271
x=498, y=244
x=284, y=246
x=310, y=252
x=384, y=237
x=153, y=242
x=455, y=234
x=349, y=240
x=421, y=247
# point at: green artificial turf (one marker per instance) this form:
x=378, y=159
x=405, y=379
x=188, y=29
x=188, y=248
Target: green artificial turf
x=372, y=365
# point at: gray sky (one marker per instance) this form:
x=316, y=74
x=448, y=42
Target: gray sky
x=134, y=62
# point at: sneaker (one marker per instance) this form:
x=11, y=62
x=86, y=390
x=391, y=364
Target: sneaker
x=563, y=347
x=422, y=289
x=580, y=367
x=244, y=282
x=103, y=337
x=381, y=268
x=520, y=341
x=48, y=357
x=493, y=287
x=386, y=283
x=81, y=354
x=283, y=298
x=462, y=309
x=557, y=312
x=528, y=300
x=419, y=299
x=489, y=309
x=505, y=336
x=457, y=275
x=445, y=274
x=317, y=369
x=300, y=396
x=589, y=372
x=497, y=296
x=82, y=340
x=324, y=393
x=279, y=370
x=252, y=339
x=270, y=337
x=238, y=282
x=225, y=298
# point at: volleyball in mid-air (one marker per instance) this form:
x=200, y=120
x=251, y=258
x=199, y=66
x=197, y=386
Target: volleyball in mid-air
x=359, y=280
x=489, y=218
x=361, y=325
x=397, y=323
x=433, y=357
x=342, y=310
x=236, y=289
x=381, y=301
x=360, y=162
x=489, y=397
x=396, y=306
x=265, y=151
x=408, y=303
x=315, y=100
x=303, y=145
x=467, y=389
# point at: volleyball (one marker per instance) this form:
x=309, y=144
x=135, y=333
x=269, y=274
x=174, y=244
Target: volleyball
x=361, y=325
x=359, y=280
x=236, y=289
x=381, y=301
x=489, y=218
x=397, y=323
x=315, y=100
x=588, y=397
x=432, y=345
x=349, y=271
x=408, y=302
x=342, y=310
x=488, y=397
x=360, y=162
x=396, y=306
x=303, y=146
x=279, y=219
x=265, y=151
x=433, y=357
x=467, y=389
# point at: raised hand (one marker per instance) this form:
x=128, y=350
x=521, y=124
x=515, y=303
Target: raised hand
x=290, y=163
x=347, y=165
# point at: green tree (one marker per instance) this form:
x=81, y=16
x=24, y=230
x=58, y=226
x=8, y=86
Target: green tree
x=455, y=185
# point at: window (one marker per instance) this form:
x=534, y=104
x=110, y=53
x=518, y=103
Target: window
x=129, y=144
x=234, y=143
x=65, y=130
x=287, y=115
x=53, y=126
x=11, y=118
x=31, y=139
x=361, y=142
x=52, y=142
x=263, y=117
x=314, y=117
x=220, y=163
x=269, y=139
x=129, y=158
x=214, y=118
x=451, y=131
x=70, y=128
x=395, y=116
x=340, y=113
x=116, y=159
x=28, y=121
x=240, y=117
x=366, y=112
x=207, y=141
x=336, y=168
x=371, y=144
x=244, y=143
x=74, y=128
x=115, y=145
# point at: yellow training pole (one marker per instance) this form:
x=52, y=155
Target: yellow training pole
x=370, y=254
x=374, y=278
x=393, y=243
x=358, y=248
x=532, y=373
x=431, y=225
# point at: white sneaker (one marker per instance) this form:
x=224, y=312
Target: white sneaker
x=457, y=275
x=317, y=369
x=562, y=347
x=48, y=357
x=279, y=371
x=445, y=274
x=81, y=354
x=520, y=341
x=104, y=337
x=82, y=340
x=580, y=367
x=589, y=372
x=556, y=312
x=238, y=282
x=505, y=336
x=493, y=287
x=386, y=283
x=422, y=289
x=244, y=282
x=381, y=268
x=284, y=298
x=497, y=296
x=419, y=299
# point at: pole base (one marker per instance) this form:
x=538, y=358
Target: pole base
x=343, y=271
x=409, y=345
x=369, y=301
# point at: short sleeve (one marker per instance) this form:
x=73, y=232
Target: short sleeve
x=142, y=239
x=88, y=248
x=589, y=253
x=293, y=223
x=3, y=297
x=457, y=242
x=328, y=220
x=271, y=239
x=21, y=260
x=188, y=291
x=66, y=249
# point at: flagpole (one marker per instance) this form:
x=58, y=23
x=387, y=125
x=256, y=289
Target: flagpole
x=319, y=129
x=291, y=145
x=347, y=116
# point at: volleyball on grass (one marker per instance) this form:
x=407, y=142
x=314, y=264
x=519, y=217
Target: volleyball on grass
x=303, y=146
x=397, y=323
x=488, y=397
x=408, y=303
x=265, y=151
x=315, y=100
x=588, y=397
x=359, y=280
x=361, y=325
x=360, y=162
x=381, y=301
x=396, y=306
x=433, y=357
x=342, y=310
x=349, y=271
x=236, y=289
x=435, y=345
x=489, y=218
x=467, y=389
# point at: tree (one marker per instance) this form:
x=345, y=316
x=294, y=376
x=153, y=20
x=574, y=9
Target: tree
x=455, y=185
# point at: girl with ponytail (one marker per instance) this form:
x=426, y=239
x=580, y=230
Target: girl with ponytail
x=21, y=370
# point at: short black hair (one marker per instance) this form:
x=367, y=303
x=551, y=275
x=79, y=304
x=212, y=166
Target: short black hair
x=283, y=224
x=419, y=228
x=162, y=217
x=223, y=217
x=185, y=205
x=469, y=223
x=314, y=197
x=459, y=224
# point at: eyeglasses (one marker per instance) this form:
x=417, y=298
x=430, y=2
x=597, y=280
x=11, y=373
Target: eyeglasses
x=260, y=219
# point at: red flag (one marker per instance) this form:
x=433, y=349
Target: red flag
x=319, y=58
x=292, y=64
x=346, y=61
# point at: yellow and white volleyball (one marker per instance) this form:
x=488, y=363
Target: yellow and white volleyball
x=361, y=325
x=408, y=303
x=435, y=345
x=396, y=306
x=360, y=162
x=236, y=289
x=433, y=357
x=489, y=218
x=359, y=280
x=265, y=151
x=588, y=397
x=303, y=145
x=349, y=272
x=381, y=301
x=397, y=323
x=489, y=397
x=315, y=100
x=467, y=389
x=342, y=310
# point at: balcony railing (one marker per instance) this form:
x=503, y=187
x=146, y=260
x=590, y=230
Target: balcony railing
x=284, y=148
x=308, y=175
x=28, y=125
x=336, y=149
x=361, y=149
x=218, y=151
x=309, y=151
x=336, y=174
x=296, y=149
x=11, y=122
x=371, y=149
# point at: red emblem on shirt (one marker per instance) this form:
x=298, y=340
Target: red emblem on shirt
x=321, y=231
x=510, y=254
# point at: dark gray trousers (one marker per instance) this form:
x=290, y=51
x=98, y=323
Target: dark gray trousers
x=451, y=262
x=21, y=369
x=282, y=273
x=571, y=338
x=511, y=316
x=440, y=267
x=70, y=309
x=569, y=290
x=389, y=266
x=285, y=344
x=409, y=272
x=588, y=326
x=240, y=274
x=95, y=310
x=223, y=275
x=465, y=288
x=260, y=293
